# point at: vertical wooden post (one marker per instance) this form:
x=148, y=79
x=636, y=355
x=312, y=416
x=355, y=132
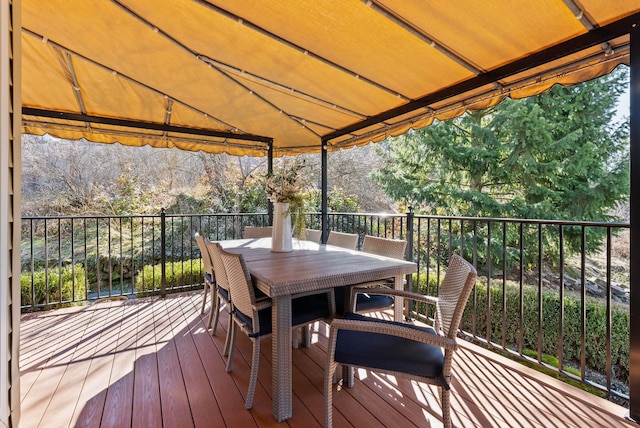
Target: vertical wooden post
x=10, y=201
x=634, y=205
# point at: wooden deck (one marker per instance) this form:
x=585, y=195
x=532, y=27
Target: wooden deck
x=151, y=362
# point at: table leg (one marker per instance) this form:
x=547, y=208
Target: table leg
x=398, y=303
x=282, y=401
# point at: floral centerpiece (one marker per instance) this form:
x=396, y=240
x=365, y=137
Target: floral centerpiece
x=286, y=185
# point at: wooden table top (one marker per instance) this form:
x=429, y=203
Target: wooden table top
x=311, y=266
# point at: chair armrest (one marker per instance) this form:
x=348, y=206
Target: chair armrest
x=380, y=283
x=392, y=292
x=394, y=330
x=263, y=304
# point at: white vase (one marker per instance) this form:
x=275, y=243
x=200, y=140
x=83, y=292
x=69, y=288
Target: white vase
x=281, y=234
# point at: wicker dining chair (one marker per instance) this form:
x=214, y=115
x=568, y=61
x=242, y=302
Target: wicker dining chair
x=253, y=315
x=394, y=248
x=257, y=232
x=344, y=240
x=400, y=349
x=222, y=293
x=313, y=235
x=209, y=276
x=368, y=302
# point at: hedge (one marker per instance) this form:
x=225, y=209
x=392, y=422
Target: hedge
x=595, y=344
x=59, y=286
x=177, y=274
x=595, y=332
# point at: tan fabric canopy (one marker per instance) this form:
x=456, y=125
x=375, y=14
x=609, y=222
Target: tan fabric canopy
x=231, y=76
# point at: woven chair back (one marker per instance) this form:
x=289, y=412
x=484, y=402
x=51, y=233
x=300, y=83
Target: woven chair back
x=257, y=232
x=344, y=240
x=240, y=286
x=453, y=294
x=394, y=248
x=218, y=267
x=313, y=235
x=204, y=253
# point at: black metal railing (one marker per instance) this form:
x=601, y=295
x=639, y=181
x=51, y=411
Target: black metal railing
x=546, y=291
x=550, y=292
x=70, y=259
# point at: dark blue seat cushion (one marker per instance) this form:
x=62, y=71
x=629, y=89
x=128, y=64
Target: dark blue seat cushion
x=366, y=302
x=224, y=294
x=304, y=310
x=383, y=352
x=208, y=277
x=310, y=308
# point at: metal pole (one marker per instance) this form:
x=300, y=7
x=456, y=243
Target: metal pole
x=325, y=206
x=270, y=170
x=163, y=254
x=409, y=255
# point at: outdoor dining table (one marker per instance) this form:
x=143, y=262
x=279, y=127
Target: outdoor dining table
x=309, y=267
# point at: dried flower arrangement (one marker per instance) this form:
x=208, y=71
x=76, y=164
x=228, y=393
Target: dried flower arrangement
x=286, y=184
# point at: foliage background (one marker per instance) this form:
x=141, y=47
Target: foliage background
x=71, y=178
x=556, y=156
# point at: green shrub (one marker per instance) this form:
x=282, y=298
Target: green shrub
x=177, y=274
x=423, y=286
x=48, y=288
x=595, y=343
x=552, y=361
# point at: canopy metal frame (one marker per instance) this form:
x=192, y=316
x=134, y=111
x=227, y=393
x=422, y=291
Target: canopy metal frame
x=598, y=36
x=27, y=111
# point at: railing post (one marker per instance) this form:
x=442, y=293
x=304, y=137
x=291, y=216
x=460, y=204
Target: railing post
x=324, y=209
x=163, y=254
x=409, y=256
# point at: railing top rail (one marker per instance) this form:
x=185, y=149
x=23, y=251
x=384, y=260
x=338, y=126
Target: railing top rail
x=368, y=214
x=528, y=221
x=92, y=216
x=418, y=216
x=104, y=216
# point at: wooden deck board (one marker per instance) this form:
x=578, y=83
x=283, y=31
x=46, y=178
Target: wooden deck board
x=200, y=394
x=91, y=403
x=228, y=407
x=71, y=387
x=146, y=408
x=151, y=362
x=176, y=411
x=119, y=398
x=41, y=341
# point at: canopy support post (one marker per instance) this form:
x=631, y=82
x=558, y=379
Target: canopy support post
x=324, y=206
x=270, y=170
x=634, y=205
